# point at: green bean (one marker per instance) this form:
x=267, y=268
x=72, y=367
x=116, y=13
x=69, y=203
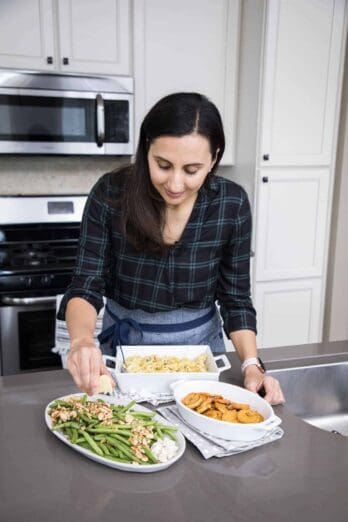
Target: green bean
x=94, y=422
x=65, y=404
x=124, y=449
x=171, y=435
x=128, y=406
x=159, y=432
x=123, y=426
x=75, y=435
x=84, y=417
x=117, y=452
x=92, y=443
x=118, y=415
x=148, y=423
x=84, y=445
x=104, y=448
x=144, y=414
x=150, y=455
x=166, y=427
x=64, y=425
x=124, y=433
x=99, y=437
x=120, y=438
x=117, y=444
x=119, y=459
x=102, y=430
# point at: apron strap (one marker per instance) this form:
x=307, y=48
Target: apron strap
x=119, y=331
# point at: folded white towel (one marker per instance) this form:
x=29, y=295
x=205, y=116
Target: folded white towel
x=62, y=341
x=210, y=446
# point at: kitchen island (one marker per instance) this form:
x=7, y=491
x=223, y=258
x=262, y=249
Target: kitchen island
x=301, y=477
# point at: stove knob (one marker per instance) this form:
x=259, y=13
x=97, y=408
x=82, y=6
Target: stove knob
x=46, y=280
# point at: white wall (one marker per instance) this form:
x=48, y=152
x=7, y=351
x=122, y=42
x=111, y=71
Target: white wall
x=336, y=313
x=248, y=92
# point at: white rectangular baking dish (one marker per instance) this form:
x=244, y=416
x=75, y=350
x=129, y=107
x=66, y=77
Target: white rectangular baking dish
x=159, y=382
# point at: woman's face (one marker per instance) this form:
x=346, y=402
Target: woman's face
x=178, y=166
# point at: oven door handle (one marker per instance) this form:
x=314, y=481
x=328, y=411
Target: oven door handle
x=28, y=300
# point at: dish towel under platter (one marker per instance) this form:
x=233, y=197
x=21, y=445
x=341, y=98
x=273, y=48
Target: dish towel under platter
x=210, y=446
x=144, y=396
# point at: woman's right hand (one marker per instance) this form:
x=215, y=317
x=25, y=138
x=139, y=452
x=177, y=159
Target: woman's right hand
x=85, y=363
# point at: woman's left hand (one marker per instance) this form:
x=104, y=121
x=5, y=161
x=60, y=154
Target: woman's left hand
x=254, y=380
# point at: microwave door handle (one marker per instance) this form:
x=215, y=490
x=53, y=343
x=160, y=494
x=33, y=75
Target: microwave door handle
x=100, y=120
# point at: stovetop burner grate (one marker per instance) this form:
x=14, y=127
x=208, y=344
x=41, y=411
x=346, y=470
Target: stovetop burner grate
x=30, y=251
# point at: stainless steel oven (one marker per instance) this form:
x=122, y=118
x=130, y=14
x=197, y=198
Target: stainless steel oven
x=65, y=114
x=27, y=333
x=38, y=242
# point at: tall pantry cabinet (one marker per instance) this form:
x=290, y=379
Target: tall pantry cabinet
x=297, y=135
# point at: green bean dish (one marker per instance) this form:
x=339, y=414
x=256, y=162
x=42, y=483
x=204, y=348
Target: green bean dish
x=119, y=433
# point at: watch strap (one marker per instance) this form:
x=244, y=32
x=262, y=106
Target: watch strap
x=256, y=361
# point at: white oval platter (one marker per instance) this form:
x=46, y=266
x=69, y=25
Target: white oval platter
x=140, y=468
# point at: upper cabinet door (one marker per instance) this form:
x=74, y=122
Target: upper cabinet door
x=188, y=46
x=27, y=35
x=94, y=36
x=303, y=46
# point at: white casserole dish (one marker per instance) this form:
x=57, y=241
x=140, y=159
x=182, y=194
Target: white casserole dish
x=223, y=429
x=159, y=382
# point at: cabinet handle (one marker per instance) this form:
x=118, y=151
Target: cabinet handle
x=65, y=61
x=49, y=60
x=265, y=179
x=265, y=157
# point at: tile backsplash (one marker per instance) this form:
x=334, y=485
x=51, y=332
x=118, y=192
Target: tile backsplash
x=59, y=175
x=24, y=175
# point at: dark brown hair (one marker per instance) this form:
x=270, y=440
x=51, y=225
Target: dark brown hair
x=142, y=207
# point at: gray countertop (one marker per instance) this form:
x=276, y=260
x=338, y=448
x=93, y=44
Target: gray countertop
x=302, y=477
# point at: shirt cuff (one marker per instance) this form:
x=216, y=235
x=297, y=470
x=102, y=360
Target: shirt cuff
x=239, y=321
x=95, y=300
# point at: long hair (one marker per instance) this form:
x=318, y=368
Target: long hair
x=142, y=207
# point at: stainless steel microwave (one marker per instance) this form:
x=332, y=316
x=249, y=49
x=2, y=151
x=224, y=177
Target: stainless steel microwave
x=65, y=114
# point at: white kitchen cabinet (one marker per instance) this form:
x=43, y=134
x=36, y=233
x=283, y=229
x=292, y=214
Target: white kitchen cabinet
x=291, y=223
x=301, y=70
x=73, y=36
x=27, y=34
x=94, y=37
x=301, y=83
x=288, y=312
x=188, y=46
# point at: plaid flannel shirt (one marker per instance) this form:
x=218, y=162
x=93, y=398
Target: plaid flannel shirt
x=209, y=263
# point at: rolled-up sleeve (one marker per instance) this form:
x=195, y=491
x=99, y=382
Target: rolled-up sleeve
x=93, y=254
x=233, y=289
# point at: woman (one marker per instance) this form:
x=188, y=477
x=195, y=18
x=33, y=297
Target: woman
x=163, y=240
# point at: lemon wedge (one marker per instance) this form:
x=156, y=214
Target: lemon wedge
x=106, y=384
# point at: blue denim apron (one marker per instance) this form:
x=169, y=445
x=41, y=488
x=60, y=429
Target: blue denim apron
x=182, y=326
